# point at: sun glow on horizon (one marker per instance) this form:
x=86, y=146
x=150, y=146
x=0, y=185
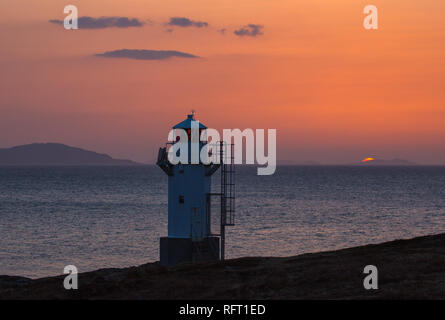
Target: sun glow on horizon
x=345, y=91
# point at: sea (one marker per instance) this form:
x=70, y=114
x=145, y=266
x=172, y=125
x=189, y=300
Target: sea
x=113, y=216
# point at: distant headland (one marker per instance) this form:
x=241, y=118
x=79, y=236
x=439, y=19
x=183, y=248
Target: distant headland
x=56, y=154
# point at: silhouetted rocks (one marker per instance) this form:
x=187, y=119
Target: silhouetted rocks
x=407, y=269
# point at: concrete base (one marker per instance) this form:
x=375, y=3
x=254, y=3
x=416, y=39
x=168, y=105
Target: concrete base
x=174, y=251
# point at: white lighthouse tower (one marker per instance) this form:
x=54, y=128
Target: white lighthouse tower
x=190, y=237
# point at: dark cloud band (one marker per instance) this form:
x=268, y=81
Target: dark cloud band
x=251, y=30
x=185, y=22
x=145, y=54
x=105, y=22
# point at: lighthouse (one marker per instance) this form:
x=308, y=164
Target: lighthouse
x=190, y=235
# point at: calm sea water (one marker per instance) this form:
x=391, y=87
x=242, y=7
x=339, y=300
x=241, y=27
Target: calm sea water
x=100, y=217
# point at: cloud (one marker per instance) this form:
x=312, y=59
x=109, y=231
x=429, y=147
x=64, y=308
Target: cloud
x=105, y=22
x=145, y=54
x=185, y=22
x=251, y=30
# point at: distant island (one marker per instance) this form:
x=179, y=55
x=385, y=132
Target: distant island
x=56, y=154
x=61, y=154
x=364, y=162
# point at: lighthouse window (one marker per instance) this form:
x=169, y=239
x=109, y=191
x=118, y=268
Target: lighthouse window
x=181, y=199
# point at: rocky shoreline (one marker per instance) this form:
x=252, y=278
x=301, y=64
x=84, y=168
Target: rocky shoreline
x=407, y=269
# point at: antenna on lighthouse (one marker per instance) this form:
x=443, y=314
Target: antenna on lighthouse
x=193, y=113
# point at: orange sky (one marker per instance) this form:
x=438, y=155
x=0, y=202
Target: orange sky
x=335, y=92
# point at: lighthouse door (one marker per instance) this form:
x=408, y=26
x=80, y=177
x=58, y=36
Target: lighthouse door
x=196, y=225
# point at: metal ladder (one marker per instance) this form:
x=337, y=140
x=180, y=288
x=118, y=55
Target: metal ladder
x=227, y=190
x=226, y=194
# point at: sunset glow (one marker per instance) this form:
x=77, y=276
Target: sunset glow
x=306, y=68
x=368, y=159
